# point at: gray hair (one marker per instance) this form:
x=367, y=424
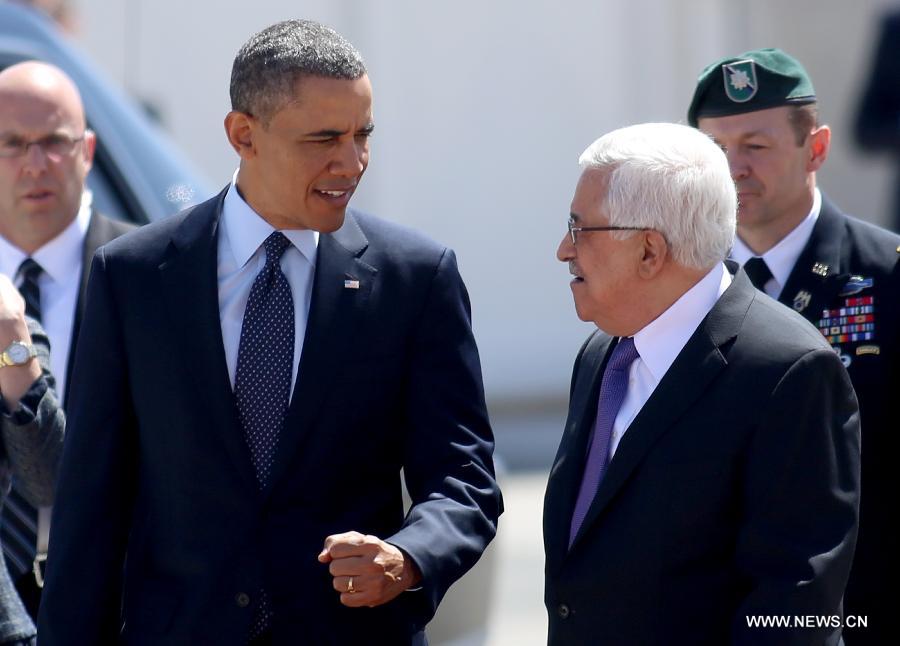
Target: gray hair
x=671, y=178
x=268, y=66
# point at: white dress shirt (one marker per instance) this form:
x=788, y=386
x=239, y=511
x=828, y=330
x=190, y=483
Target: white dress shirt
x=781, y=258
x=661, y=341
x=62, y=260
x=241, y=257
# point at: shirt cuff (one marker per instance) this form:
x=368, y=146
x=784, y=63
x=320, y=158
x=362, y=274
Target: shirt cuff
x=28, y=404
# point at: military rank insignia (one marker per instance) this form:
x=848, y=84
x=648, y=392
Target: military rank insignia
x=853, y=322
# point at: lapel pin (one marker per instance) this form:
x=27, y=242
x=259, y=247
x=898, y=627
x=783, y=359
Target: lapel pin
x=820, y=269
x=801, y=300
x=351, y=284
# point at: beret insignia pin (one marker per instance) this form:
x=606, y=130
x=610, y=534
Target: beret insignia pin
x=740, y=80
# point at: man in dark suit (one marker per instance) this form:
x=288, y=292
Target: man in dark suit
x=877, y=123
x=707, y=477
x=842, y=274
x=252, y=376
x=48, y=234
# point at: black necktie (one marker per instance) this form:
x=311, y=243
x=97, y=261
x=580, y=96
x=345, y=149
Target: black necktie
x=18, y=531
x=262, y=381
x=30, y=271
x=758, y=271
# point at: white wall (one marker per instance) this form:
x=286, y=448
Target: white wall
x=482, y=109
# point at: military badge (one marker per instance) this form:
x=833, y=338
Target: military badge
x=801, y=300
x=867, y=349
x=853, y=322
x=740, y=80
x=820, y=269
x=855, y=285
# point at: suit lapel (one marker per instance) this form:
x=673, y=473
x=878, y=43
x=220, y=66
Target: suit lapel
x=818, y=274
x=335, y=310
x=696, y=366
x=190, y=285
x=100, y=231
x=568, y=467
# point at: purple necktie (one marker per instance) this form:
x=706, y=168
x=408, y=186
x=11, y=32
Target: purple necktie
x=612, y=392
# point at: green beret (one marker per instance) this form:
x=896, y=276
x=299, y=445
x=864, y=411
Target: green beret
x=757, y=80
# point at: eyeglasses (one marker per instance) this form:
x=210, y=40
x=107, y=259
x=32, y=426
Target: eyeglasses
x=573, y=230
x=55, y=146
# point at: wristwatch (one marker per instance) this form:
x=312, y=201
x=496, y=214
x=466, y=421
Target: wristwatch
x=17, y=353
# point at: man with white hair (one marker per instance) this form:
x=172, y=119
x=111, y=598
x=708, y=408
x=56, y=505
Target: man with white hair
x=707, y=480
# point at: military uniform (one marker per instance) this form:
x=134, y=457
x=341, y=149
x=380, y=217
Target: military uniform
x=846, y=282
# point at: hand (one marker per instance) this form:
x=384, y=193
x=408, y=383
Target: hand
x=12, y=306
x=14, y=380
x=379, y=570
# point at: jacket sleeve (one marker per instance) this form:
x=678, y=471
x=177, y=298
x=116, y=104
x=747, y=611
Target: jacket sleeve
x=97, y=482
x=448, y=463
x=33, y=433
x=801, y=504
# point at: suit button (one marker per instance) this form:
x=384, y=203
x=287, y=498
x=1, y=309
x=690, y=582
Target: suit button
x=563, y=611
x=242, y=600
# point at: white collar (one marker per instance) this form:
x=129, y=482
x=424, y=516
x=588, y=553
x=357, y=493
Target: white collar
x=781, y=258
x=58, y=256
x=660, y=341
x=246, y=230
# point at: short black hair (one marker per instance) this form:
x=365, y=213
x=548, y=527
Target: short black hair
x=268, y=66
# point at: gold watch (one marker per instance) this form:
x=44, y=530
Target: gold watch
x=17, y=353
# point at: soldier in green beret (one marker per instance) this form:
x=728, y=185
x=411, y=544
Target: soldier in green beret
x=840, y=273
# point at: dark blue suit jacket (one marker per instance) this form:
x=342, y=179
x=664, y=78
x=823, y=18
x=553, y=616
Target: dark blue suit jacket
x=156, y=475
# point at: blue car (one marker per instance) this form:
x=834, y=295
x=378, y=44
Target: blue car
x=138, y=174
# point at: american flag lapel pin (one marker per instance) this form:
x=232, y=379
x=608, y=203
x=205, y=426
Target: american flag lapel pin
x=351, y=283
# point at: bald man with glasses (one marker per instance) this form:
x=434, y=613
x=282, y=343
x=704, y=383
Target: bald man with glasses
x=48, y=234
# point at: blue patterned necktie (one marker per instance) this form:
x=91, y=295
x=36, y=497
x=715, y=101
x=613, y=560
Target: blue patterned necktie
x=262, y=381
x=613, y=388
x=18, y=532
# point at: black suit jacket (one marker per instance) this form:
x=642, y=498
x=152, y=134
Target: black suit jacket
x=101, y=230
x=156, y=474
x=862, y=261
x=733, y=493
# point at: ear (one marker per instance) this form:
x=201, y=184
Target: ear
x=819, y=144
x=654, y=252
x=239, y=130
x=89, y=148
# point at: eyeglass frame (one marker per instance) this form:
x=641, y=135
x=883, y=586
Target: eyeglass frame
x=574, y=230
x=42, y=142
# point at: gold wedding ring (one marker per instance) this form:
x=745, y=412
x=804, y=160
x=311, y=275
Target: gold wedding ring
x=350, y=589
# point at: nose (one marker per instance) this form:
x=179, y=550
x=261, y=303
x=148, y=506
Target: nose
x=351, y=158
x=566, y=250
x=35, y=160
x=737, y=162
